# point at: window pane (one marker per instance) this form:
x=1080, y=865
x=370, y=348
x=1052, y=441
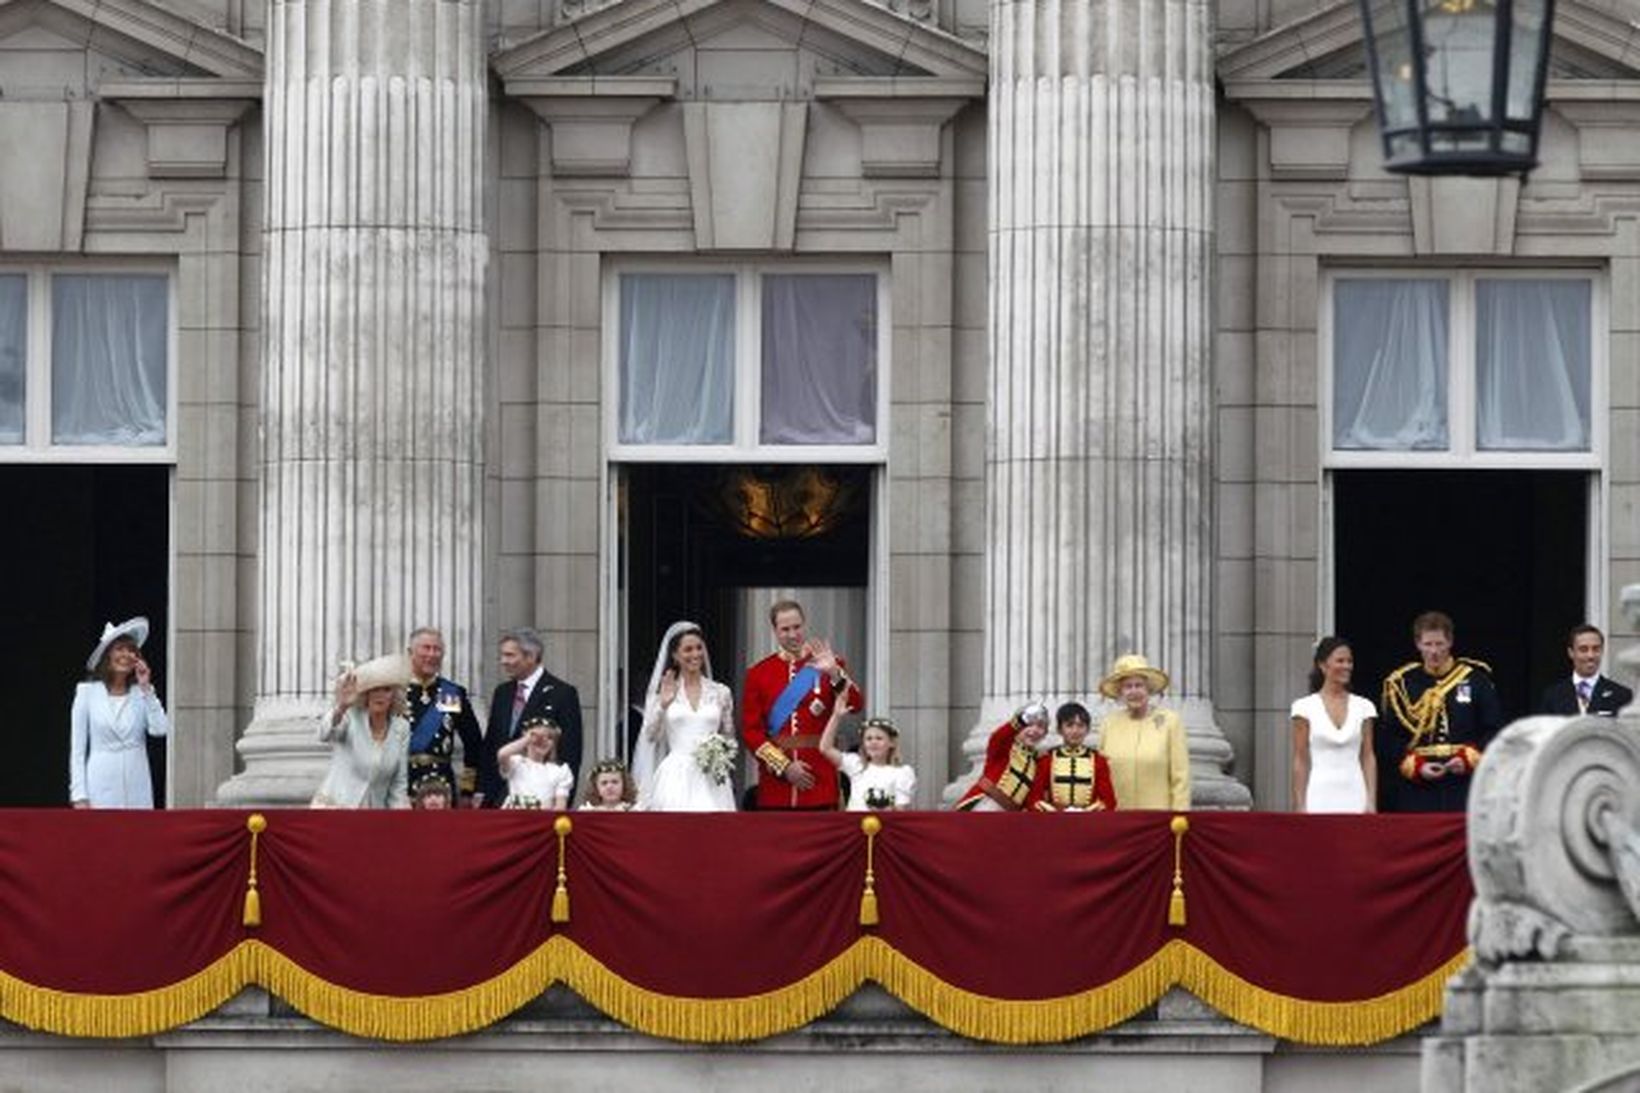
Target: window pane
x=677, y=358
x=819, y=359
x=13, y=355
x=1532, y=365
x=108, y=358
x=1389, y=365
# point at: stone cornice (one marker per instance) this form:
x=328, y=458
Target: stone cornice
x=187, y=120
x=1338, y=26
x=591, y=117
x=201, y=47
x=921, y=48
x=899, y=119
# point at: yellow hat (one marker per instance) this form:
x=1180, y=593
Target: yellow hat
x=1132, y=664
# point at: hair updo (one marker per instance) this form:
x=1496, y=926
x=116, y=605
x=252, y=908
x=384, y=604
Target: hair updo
x=1324, y=648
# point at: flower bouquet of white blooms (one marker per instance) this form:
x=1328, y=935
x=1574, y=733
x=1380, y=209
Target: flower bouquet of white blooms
x=715, y=756
x=522, y=800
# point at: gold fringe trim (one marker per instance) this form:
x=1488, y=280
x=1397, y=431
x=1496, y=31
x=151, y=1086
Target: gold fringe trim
x=719, y=1020
x=1333, y=1024
x=121, y=1015
x=412, y=1017
x=1041, y=1021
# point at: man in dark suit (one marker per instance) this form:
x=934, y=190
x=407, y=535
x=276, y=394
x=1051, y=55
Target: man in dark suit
x=529, y=691
x=1585, y=691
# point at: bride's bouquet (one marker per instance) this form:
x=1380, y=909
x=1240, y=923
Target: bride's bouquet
x=715, y=756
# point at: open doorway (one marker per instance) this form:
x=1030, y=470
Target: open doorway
x=712, y=543
x=1503, y=552
x=85, y=545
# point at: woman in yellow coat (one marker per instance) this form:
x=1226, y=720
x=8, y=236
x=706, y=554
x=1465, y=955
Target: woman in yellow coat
x=1145, y=745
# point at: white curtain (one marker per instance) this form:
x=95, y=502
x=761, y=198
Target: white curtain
x=819, y=359
x=677, y=358
x=1532, y=364
x=1389, y=364
x=13, y=355
x=108, y=358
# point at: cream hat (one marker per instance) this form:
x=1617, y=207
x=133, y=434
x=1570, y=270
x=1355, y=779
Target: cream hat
x=135, y=628
x=1132, y=664
x=392, y=670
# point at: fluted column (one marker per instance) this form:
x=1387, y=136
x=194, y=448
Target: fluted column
x=372, y=357
x=1100, y=444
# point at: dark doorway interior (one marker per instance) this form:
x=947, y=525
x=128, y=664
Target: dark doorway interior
x=1503, y=552
x=85, y=545
x=692, y=536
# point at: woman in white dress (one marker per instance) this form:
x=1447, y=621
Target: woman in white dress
x=684, y=754
x=1333, y=765
x=114, y=713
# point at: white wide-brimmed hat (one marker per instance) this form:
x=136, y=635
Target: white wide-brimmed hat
x=1132, y=664
x=392, y=670
x=134, y=628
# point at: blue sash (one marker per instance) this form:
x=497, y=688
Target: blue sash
x=781, y=712
x=430, y=721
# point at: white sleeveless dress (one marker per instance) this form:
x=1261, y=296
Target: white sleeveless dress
x=1336, y=782
x=678, y=784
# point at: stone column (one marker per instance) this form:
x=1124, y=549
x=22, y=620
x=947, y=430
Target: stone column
x=1099, y=522
x=372, y=358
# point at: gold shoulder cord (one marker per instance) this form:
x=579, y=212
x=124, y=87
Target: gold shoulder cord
x=1421, y=717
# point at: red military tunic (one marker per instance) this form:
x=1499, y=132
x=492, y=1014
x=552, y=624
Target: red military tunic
x=1074, y=779
x=799, y=738
x=1011, y=781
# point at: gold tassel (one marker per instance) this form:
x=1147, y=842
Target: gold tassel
x=868, y=899
x=256, y=823
x=1175, y=904
x=560, y=896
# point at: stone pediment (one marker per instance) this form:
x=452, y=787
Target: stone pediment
x=745, y=49
x=110, y=40
x=1589, y=44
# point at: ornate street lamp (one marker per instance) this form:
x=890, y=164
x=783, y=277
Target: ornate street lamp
x=1459, y=83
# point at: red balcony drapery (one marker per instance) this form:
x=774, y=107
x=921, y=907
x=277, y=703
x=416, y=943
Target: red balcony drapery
x=1010, y=928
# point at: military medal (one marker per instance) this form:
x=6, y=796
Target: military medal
x=817, y=708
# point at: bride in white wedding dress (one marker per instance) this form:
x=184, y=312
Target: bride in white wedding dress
x=684, y=754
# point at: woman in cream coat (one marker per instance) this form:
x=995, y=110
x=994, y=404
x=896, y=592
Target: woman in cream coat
x=369, y=738
x=114, y=713
x=1145, y=745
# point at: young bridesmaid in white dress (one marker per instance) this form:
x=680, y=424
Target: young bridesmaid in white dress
x=1333, y=765
x=683, y=758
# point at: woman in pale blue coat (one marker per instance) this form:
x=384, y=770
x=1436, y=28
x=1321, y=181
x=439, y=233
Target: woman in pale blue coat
x=113, y=715
x=369, y=737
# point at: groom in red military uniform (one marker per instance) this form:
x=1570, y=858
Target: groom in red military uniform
x=785, y=704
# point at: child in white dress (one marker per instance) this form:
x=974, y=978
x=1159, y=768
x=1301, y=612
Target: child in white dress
x=529, y=764
x=877, y=778
x=611, y=788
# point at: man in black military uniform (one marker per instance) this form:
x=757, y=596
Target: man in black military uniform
x=439, y=712
x=1437, y=716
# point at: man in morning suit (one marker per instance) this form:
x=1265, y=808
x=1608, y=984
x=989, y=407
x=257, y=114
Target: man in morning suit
x=530, y=691
x=1585, y=691
x=1437, y=716
x=439, y=712
x=784, y=706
